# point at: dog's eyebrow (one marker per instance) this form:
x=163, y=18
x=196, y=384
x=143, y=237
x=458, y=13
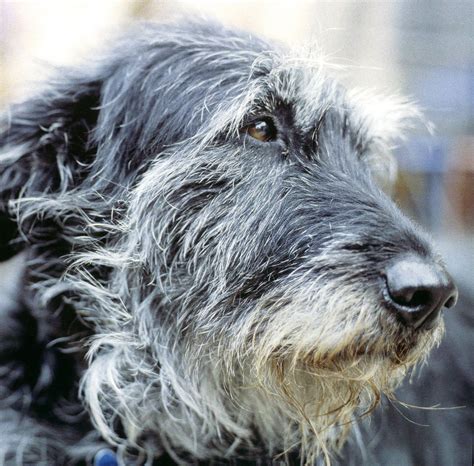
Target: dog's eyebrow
x=317, y=128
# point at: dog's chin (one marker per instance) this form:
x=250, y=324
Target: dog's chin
x=403, y=347
x=353, y=380
x=323, y=398
x=378, y=364
x=375, y=353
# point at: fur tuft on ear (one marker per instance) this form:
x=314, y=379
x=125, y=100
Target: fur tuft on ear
x=44, y=141
x=46, y=147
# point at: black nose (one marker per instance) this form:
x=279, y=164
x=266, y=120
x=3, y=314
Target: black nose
x=418, y=289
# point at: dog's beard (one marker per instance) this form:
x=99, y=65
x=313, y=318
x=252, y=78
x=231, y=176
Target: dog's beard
x=320, y=358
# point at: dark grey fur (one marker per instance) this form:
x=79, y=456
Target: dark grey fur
x=193, y=263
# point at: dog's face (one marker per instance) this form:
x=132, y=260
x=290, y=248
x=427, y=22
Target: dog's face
x=236, y=256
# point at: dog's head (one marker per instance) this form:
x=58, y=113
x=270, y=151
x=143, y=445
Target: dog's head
x=248, y=281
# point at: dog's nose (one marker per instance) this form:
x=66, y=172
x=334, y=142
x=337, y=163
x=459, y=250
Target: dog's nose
x=418, y=289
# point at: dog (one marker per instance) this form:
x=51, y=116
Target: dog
x=213, y=269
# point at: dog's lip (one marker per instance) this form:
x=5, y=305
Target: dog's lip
x=427, y=324
x=430, y=322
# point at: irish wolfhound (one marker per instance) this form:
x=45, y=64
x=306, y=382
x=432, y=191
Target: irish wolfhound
x=212, y=268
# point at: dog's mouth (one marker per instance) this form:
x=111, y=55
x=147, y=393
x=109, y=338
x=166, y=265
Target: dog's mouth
x=401, y=347
x=407, y=344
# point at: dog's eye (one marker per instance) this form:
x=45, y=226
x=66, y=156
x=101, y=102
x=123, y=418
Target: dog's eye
x=263, y=130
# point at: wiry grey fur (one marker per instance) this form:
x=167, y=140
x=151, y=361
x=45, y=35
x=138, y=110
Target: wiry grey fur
x=199, y=293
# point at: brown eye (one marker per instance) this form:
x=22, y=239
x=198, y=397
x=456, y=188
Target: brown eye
x=262, y=130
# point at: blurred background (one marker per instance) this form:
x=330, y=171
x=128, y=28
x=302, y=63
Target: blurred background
x=423, y=49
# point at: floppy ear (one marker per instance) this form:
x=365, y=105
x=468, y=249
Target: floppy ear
x=44, y=140
x=46, y=146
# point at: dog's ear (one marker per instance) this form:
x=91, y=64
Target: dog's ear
x=45, y=141
x=46, y=144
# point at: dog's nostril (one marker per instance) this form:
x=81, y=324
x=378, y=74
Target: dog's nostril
x=412, y=299
x=418, y=289
x=451, y=301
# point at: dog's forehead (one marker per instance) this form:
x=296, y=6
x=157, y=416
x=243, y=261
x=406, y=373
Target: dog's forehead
x=309, y=91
